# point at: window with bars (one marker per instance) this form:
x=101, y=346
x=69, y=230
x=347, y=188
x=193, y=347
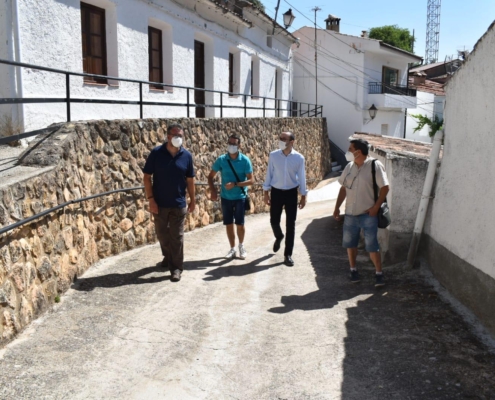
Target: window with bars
x=93, y=42
x=155, y=50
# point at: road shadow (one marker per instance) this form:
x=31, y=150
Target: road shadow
x=323, y=241
x=203, y=264
x=237, y=270
x=402, y=341
x=123, y=279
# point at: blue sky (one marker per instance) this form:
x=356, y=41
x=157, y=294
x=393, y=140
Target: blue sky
x=462, y=23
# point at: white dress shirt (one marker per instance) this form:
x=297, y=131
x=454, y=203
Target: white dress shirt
x=286, y=172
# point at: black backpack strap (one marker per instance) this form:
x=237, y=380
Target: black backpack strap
x=375, y=186
x=236, y=176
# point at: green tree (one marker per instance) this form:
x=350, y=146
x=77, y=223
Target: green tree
x=258, y=4
x=434, y=124
x=394, y=36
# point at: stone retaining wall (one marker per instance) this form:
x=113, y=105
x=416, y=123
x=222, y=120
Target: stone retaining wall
x=39, y=261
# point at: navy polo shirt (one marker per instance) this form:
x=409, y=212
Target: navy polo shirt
x=169, y=176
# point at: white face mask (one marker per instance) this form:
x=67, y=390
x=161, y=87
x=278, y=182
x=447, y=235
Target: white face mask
x=349, y=156
x=177, y=141
x=232, y=149
x=282, y=145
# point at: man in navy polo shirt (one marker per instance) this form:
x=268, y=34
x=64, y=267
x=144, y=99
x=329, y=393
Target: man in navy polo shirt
x=172, y=169
x=234, y=191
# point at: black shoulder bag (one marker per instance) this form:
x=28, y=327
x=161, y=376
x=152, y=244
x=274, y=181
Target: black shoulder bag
x=384, y=219
x=247, y=205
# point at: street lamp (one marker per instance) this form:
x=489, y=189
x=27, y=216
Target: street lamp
x=288, y=18
x=373, y=110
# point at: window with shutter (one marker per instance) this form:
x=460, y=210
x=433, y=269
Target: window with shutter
x=155, y=50
x=93, y=42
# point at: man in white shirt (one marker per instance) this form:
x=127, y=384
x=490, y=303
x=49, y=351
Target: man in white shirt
x=361, y=208
x=285, y=174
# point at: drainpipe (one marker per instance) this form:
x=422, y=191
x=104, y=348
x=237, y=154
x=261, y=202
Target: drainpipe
x=16, y=88
x=425, y=198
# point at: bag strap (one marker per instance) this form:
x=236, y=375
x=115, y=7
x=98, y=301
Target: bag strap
x=375, y=186
x=236, y=176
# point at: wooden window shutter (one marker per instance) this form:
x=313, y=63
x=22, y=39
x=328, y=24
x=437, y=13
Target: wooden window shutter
x=94, y=44
x=155, y=51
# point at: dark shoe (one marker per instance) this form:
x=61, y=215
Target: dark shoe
x=176, y=275
x=355, y=277
x=379, y=280
x=276, y=245
x=288, y=261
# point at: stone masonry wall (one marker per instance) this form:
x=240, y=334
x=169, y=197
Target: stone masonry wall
x=39, y=261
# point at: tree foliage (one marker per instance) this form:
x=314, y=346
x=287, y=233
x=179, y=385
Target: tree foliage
x=434, y=124
x=258, y=4
x=394, y=36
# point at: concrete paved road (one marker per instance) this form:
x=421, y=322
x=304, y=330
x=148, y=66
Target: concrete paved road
x=252, y=329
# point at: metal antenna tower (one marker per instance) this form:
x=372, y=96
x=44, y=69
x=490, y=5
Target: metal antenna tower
x=432, y=31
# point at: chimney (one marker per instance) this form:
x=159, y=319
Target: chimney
x=333, y=23
x=419, y=78
x=364, y=34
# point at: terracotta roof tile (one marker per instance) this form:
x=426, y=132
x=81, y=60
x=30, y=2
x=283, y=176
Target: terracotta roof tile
x=429, y=87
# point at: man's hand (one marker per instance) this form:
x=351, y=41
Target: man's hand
x=153, y=206
x=192, y=206
x=336, y=214
x=229, y=185
x=373, y=211
x=214, y=194
x=302, y=203
x=267, y=199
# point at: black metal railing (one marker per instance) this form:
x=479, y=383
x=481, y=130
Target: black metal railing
x=292, y=108
x=383, y=88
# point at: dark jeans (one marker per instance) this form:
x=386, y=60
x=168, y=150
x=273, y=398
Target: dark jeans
x=169, y=227
x=279, y=200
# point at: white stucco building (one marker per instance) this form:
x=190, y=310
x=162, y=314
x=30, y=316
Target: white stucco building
x=222, y=46
x=354, y=73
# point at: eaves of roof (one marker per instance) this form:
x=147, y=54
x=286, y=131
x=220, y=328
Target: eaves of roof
x=272, y=21
x=388, y=46
x=227, y=10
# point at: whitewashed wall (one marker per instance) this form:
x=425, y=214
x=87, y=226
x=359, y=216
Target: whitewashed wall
x=462, y=218
x=343, y=89
x=51, y=36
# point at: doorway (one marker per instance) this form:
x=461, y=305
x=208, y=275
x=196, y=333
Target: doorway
x=199, y=77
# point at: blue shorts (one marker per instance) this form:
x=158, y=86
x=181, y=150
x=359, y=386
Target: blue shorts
x=233, y=210
x=352, y=231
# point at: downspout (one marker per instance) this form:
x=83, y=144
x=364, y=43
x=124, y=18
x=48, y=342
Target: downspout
x=17, y=87
x=425, y=198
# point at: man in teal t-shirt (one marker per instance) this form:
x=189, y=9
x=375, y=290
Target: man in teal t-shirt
x=234, y=191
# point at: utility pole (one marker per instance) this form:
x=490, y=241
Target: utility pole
x=316, y=9
x=275, y=20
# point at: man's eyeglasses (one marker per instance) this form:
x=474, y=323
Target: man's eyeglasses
x=284, y=140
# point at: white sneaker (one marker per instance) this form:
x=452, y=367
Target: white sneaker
x=231, y=254
x=242, y=252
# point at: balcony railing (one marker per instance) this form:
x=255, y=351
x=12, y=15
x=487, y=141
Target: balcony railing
x=280, y=106
x=383, y=88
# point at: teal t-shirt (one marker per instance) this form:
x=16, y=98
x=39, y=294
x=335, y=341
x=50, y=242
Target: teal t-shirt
x=242, y=165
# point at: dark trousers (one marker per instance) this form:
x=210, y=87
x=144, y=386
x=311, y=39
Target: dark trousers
x=169, y=227
x=280, y=199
